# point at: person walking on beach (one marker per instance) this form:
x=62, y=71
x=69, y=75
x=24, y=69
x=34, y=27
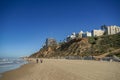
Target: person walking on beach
x=41, y=60
x=36, y=60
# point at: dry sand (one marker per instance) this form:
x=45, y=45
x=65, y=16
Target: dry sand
x=60, y=69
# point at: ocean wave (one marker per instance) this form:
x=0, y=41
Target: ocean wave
x=10, y=61
x=1, y=66
x=3, y=63
x=7, y=64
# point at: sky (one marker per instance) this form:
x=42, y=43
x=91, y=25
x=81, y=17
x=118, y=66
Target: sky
x=25, y=24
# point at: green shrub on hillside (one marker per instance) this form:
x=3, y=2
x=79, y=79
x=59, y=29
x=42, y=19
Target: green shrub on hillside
x=92, y=40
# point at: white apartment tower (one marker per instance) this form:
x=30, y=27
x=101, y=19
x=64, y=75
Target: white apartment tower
x=97, y=32
x=87, y=34
x=113, y=29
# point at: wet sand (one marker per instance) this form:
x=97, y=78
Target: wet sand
x=61, y=69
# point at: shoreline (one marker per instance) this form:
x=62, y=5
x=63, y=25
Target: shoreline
x=16, y=73
x=58, y=69
x=8, y=64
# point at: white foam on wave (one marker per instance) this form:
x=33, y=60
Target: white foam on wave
x=6, y=62
x=10, y=63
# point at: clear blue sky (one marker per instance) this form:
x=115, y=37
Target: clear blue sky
x=25, y=24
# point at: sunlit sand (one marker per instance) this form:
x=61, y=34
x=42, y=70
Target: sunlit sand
x=61, y=69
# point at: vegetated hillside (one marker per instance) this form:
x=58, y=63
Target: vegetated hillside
x=94, y=46
x=75, y=47
x=105, y=44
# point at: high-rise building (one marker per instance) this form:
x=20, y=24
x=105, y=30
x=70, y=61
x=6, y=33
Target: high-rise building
x=113, y=30
x=97, y=32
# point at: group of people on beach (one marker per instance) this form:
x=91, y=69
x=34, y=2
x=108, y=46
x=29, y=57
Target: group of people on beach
x=37, y=60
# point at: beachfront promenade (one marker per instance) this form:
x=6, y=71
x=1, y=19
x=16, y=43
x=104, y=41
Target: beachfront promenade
x=62, y=69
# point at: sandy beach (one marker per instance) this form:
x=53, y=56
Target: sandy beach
x=61, y=69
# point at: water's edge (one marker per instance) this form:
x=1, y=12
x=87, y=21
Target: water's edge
x=12, y=67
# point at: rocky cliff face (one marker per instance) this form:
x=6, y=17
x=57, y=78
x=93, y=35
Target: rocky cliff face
x=72, y=48
x=94, y=46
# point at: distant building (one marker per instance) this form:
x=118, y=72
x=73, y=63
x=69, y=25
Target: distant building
x=97, y=32
x=79, y=35
x=87, y=34
x=50, y=42
x=113, y=30
x=109, y=30
x=72, y=36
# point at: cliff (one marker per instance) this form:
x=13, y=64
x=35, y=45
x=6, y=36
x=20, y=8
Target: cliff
x=94, y=46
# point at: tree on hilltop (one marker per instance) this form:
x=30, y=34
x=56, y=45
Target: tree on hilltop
x=104, y=27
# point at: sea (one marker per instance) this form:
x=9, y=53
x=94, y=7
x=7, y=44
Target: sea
x=10, y=63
